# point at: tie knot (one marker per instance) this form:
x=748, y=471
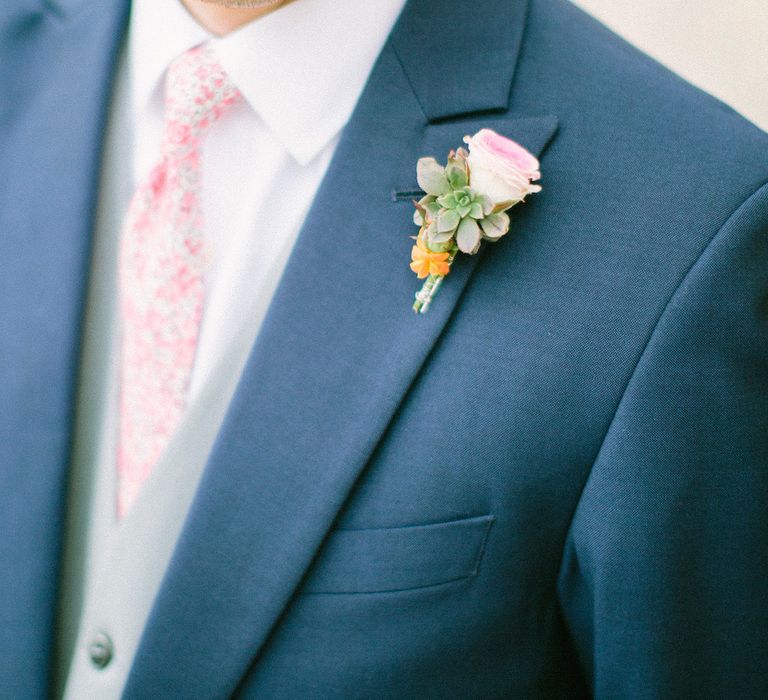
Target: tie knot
x=197, y=93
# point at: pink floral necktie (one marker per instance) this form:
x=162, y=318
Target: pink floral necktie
x=161, y=272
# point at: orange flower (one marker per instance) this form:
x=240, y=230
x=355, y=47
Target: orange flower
x=425, y=262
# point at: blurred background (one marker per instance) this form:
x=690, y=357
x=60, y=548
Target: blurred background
x=719, y=45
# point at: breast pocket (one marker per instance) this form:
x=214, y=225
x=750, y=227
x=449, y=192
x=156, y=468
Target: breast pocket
x=396, y=559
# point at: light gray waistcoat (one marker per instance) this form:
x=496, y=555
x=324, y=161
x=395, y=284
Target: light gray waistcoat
x=112, y=570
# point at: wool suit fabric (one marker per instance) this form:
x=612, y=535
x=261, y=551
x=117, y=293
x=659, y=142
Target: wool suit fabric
x=553, y=484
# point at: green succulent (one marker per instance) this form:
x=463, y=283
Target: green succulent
x=460, y=204
x=451, y=209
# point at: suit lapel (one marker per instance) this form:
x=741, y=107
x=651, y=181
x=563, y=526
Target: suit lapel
x=49, y=156
x=337, y=351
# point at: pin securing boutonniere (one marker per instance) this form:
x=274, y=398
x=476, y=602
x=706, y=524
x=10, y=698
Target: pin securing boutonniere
x=466, y=201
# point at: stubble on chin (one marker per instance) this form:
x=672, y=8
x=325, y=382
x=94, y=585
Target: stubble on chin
x=244, y=4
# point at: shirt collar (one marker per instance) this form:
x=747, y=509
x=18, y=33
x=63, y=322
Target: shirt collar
x=301, y=68
x=159, y=31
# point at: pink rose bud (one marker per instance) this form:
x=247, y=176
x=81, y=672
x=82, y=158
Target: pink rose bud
x=500, y=168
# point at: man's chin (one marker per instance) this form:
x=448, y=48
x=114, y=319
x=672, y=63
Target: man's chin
x=244, y=4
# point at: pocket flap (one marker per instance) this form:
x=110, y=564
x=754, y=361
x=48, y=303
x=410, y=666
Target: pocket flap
x=394, y=559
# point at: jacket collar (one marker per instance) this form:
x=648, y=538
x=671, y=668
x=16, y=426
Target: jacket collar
x=338, y=349
x=460, y=61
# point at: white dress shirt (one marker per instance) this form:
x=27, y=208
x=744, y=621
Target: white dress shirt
x=263, y=162
x=301, y=70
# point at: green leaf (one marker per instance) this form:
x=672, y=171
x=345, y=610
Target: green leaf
x=464, y=197
x=468, y=236
x=431, y=177
x=439, y=242
x=456, y=174
x=447, y=220
x=447, y=201
x=422, y=212
x=433, y=208
x=463, y=211
x=437, y=237
x=495, y=226
x=486, y=203
x=476, y=210
x=503, y=206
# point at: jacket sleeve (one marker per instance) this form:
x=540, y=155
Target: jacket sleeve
x=664, y=580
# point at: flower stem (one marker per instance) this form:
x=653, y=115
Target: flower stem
x=431, y=286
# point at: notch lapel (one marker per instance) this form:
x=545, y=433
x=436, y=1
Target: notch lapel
x=49, y=160
x=337, y=351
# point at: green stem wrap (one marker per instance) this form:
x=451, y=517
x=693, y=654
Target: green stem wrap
x=431, y=286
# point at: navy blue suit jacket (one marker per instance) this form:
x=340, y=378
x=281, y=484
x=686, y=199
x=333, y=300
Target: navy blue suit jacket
x=554, y=484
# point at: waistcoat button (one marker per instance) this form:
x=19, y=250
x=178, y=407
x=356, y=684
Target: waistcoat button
x=101, y=650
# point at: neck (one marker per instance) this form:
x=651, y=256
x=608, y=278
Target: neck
x=221, y=17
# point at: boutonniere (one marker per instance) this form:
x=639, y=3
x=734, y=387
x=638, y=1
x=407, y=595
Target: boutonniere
x=466, y=202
